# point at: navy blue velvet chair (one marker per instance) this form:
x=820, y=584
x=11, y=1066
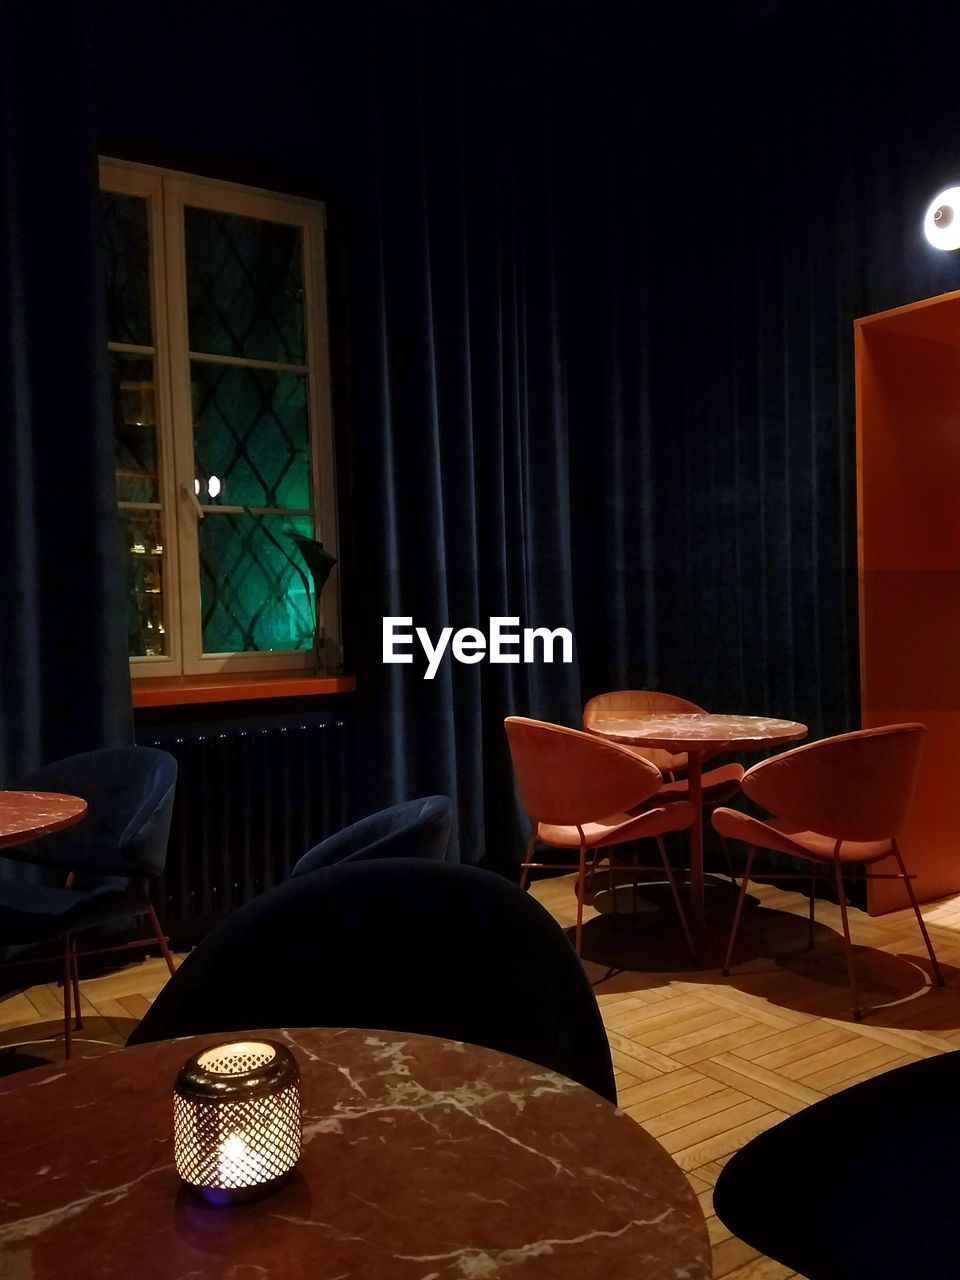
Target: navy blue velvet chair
x=414, y=829
x=437, y=948
x=108, y=859
x=859, y=1186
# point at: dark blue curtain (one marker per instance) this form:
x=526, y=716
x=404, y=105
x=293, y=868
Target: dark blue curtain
x=462, y=417
x=598, y=264
x=64, y=683
x=606, y=267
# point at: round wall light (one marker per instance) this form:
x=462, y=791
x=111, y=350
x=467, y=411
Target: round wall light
x=237, y=1125
x=941, y=222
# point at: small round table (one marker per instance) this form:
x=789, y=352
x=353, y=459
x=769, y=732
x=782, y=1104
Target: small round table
x=421, y=1157
x=698, y=735
x=24, y=815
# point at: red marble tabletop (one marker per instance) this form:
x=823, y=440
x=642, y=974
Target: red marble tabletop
x=423, y=1159
x=697, y=731
x=27, y=814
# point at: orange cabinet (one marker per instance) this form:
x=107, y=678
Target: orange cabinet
x=908, y=502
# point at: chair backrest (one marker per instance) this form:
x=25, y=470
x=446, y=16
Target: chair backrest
x=880, y=1206
x=437, y=948
x=569, y=777
x=414, y=829
x=857, y=786
x=129, y=793
x=641, y=702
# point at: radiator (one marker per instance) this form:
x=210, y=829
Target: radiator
x=249, y=802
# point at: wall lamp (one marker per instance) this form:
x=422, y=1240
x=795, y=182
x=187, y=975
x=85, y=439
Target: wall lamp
x=941, y=222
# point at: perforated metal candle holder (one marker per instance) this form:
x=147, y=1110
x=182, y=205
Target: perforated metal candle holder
x=236, y=1120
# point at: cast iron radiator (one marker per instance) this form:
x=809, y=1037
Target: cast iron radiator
x=249, y=802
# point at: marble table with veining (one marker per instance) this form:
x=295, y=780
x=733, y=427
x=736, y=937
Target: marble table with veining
x=697, y=735
x=423, y=1159
x=24, y=815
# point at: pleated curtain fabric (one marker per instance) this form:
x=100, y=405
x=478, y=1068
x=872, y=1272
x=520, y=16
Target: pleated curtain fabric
x=605, y=272
x=462, y=441
x=64, y=682
x=600, y=265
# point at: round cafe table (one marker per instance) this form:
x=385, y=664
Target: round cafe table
x=24, y=815
x=698, y=735
x=421, y=1158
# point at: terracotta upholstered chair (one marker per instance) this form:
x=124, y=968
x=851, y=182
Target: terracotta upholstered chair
x=577, y=789
x=838, y=803
x=718, y=785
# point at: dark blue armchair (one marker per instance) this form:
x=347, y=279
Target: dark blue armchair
x=107, y=860
x=404, y=945
x=414, y=829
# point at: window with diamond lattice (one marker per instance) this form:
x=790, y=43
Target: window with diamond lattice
x=216, y=308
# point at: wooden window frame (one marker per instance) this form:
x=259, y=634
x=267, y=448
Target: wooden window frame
x=167, y=193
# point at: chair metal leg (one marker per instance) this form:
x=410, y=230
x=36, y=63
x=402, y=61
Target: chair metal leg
x=613, y=884
x=636, y=876
x=851, y=967
x=75, y=975
x=813, y=908
x=920, y=920
x=668, y=871
x=525, y=869
x=162, y=939
x=581, y=890
x=741, y=898
x=530, y=846
x=592, y=870
x=726, y=853
x=66, y=996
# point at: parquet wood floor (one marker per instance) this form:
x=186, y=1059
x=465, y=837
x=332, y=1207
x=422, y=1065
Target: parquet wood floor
x=703, y=1062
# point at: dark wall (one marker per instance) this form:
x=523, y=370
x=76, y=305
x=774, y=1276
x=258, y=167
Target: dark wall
x=719, y=190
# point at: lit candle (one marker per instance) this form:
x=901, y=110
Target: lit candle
x=237, y=1119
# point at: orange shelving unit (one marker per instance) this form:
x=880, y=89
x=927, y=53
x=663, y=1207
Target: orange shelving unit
x=908, y=496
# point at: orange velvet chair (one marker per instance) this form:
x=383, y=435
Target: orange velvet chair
x=838, y=803
x=577, y=788
x=718, y=785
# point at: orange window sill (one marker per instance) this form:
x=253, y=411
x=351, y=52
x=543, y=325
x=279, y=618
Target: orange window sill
x=183, y=690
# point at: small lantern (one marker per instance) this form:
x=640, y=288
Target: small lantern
x=236, y=1120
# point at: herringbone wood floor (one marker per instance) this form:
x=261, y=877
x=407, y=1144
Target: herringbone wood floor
x=703, y=1062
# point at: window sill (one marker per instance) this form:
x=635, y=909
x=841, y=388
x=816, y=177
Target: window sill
x=184, y=690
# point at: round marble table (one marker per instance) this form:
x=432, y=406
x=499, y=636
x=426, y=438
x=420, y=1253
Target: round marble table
x=24, y=815
x=422, y=1158
x=697, y=735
